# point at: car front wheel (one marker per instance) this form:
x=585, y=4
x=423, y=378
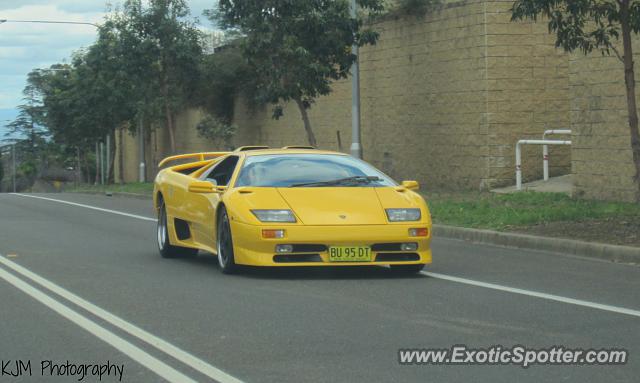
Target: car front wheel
x=225, y=244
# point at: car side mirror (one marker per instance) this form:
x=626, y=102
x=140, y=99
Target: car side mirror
x=202, y=187
x=411, y=185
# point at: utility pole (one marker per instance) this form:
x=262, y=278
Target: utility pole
x=108, y=157
x=356, y=147
x=101, y=163
x=97, y=161
x=142, y=168
x=78, y=168
x=13, y=173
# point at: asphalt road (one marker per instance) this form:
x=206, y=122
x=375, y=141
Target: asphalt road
x=88, y=286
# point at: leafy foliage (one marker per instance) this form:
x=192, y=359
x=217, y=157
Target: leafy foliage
x=416, y=7
x=587, y=25
x=158, y=51
x=582, y=25
x=224, y=76
x=296, y=49
x=216, y=129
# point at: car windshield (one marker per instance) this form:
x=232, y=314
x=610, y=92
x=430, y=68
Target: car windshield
x=309, y=170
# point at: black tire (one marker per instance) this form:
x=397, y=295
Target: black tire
x=407, y=269
x=224, y=241
x=167, y=250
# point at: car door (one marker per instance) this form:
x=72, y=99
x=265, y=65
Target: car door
x=203, y=210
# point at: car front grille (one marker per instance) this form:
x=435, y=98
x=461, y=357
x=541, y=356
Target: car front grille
x=296, y=258
x=397, y=257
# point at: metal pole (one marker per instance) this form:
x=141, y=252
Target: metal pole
x=141, y=168
x=519, y=155
x=78, y=167
x=518, y=167
x=101, y=163
x=13, y=173
x=356, y=148
x=97, y=161
x=108, y=156
x=545, y=150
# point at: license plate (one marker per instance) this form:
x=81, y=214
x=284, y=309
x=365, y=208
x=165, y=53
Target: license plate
x=349, y=254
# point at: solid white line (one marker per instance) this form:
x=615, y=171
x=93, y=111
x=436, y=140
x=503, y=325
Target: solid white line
x=88, y=207
x=153, y=364
x=551, y=297
x=162, y=345
x=557, y=298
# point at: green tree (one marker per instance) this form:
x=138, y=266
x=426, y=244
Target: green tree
x=224, y=76
x=159, y=51
x=296, y=49
x=589, y=25
x=1, y=170
x=28, y=125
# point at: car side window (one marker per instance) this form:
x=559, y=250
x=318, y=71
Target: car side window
x=222, y=172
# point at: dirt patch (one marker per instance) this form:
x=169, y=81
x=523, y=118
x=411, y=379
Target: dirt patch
x=615, y=231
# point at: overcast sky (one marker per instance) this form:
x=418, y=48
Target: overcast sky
x=24, y=47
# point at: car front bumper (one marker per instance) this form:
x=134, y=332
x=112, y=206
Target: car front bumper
x=250, y=248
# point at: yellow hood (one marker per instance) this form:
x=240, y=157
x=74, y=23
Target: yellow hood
x=335, y=205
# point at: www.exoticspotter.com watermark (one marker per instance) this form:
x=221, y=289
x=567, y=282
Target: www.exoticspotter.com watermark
x=517, y=355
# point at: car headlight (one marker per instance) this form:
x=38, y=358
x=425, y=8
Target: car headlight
x=399, y=215
x=274, y=215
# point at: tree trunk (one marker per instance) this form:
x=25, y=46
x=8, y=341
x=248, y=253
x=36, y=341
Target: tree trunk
x=87, y=166
x=307, y=124
x=630, y=82
x=168, y=113
x=170, y=127
x=112, y=159
x=120, y=155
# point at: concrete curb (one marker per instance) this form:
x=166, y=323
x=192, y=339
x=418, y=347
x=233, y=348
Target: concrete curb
x=613, y=253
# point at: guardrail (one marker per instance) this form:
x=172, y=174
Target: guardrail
x=519, y=155
x=545, y=150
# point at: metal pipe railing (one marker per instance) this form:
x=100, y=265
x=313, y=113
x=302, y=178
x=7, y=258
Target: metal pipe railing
x=519, y=155
x=545, y=150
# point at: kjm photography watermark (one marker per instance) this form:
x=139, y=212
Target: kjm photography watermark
x=19, y=368
x=517, y=355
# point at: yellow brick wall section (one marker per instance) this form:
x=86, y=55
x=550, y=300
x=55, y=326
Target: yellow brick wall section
x=602, y=160
x=423, y=102
x=528, y=92
x=431, y=110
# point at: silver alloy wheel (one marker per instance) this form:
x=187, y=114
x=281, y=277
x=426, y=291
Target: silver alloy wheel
x=222, y=241
x=162, y=229
x=221, y=258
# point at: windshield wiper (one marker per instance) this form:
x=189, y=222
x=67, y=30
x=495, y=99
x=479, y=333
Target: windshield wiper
x=341, y=181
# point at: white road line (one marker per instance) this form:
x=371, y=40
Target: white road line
x=155, y=365
x=88, y=207
x=513, y=290
x=162, y=345
x=551, y=297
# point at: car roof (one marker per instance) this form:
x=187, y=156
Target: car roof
x=259, y=152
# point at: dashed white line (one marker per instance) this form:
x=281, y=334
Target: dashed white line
x=155, y=365
x=551, y=297
x=162, y=345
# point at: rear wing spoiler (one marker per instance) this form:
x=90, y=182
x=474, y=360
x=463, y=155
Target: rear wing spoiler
x=194, y=156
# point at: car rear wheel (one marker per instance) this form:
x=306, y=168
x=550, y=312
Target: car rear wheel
x=407, y=269
x=225, y=244
x=167, y=250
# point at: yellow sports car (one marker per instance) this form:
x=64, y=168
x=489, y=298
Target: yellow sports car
x=295, y=206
